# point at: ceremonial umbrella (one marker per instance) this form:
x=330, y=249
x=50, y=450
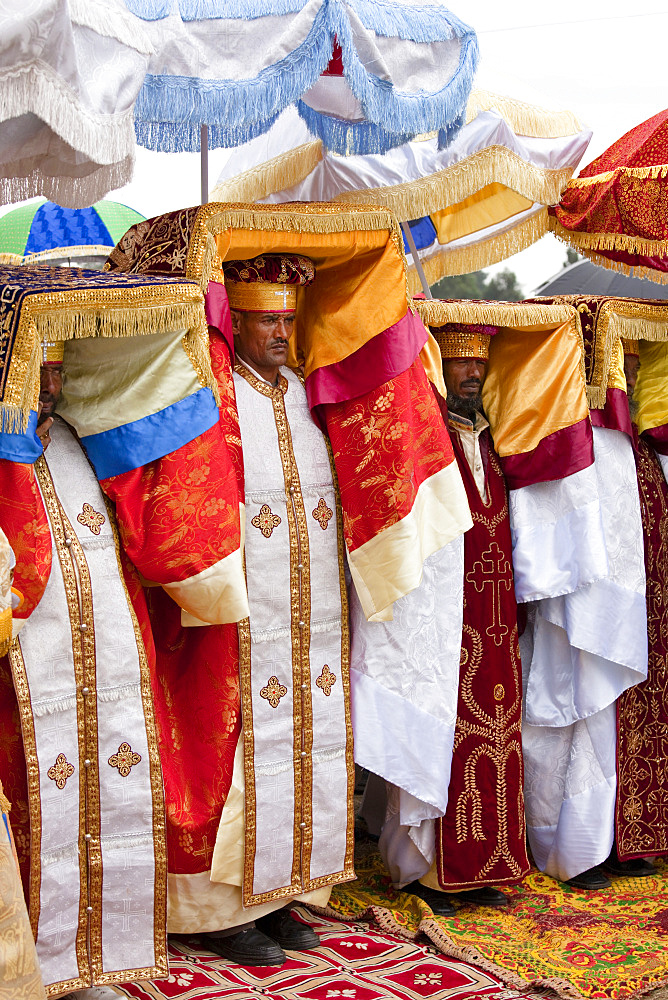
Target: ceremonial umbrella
x=479, y=200
x=43, y=230
x=365, y=76
x=616, y=211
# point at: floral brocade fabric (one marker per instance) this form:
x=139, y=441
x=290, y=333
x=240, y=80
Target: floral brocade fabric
x=642, y=711
x=386, y=443
x=630, y=198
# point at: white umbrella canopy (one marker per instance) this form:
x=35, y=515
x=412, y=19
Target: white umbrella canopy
x=71, y=70
x=464, y=207
x=392, y=69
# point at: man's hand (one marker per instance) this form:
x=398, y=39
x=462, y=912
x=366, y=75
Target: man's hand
x=43, y=432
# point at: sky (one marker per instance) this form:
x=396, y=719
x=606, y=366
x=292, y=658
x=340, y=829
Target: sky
x=602, y=59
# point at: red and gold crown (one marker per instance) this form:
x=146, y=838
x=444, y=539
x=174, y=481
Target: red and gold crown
x=267, y=283
x=464, y=340
x=53, y=352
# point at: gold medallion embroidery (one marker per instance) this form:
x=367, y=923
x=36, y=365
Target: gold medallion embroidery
x=266, y=521
x=124, y=760
x=90, y=518
x=322, y=514
x=61, y=771
x=274, y=691
x=326, y=681
x=499, y=692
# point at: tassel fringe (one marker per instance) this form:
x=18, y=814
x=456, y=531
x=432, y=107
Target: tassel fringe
x=114, y=22
x=656, y=171
x=35, y=88
x=70, y=192
x=475, y=257
x=448, y=187
x=196, y=345
x=583, y=242
x=438, y=312
x=278, y=174
x=524, y=119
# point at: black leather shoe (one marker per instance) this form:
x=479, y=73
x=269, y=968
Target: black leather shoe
x=438, y=901
x=636, y=868
x=248, y=947
x=591, y=879
x=293, y=935
x=486, y=895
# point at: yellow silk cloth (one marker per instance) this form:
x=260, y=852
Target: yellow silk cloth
x=359, y=289
x=535, y=385
x=493, y=204
x=20, y=977
x=535, y=381
x=616, y=376
x=651, y=392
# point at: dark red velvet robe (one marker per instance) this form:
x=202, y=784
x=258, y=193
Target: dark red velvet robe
x=641, y=818
x=481, y=840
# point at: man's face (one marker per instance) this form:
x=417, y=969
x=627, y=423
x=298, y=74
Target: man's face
x=262, y=338
x=50, y=387
x=631, y=366
x=464, y=379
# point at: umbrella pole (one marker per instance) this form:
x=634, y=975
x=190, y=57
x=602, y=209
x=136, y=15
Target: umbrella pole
x=204, y=161
x=416, y=260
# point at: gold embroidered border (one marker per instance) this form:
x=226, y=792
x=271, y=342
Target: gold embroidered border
x=22, y=689
x=589, y=243
x=348, y=868
x=161, y=967
x=89, y=934
x=248, y=736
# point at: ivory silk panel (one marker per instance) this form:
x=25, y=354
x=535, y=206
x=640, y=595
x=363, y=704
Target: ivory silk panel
x=293, y=650
x=97, y=852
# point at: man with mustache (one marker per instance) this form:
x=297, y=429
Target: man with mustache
x=480, y=842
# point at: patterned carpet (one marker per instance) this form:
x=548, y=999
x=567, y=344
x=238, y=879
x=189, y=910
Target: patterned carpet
x=606, y=944
x=354, y=962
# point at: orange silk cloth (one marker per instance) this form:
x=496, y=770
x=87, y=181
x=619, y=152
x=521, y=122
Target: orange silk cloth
x=618, y=204
x=641, y=816
x=481, y=840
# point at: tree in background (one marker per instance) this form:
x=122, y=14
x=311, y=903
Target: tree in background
x=477, y=285
x=572, y=257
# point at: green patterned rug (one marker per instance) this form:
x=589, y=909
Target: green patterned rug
x=608, y=944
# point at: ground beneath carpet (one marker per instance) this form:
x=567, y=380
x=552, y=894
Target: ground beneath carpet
x=355, y=961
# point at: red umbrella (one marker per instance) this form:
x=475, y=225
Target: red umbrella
x=616, y=211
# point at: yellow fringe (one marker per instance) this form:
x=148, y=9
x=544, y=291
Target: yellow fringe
x=637, y=320
x=582, y=242
x=196, y=345
x=642, y=173
x=13, y=259
x=524, y=119
x=31, y=259
x=277, y=174
x=476, y=256
x=438, y=312
x=448, y=187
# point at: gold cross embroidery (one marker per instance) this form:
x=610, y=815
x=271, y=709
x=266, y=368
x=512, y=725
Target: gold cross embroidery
x=266, y=521
x=492, y=569
x=322, y=514
x=124, y=760
x=61, y=771
x=326, y=681
x=274, y=691
x=90, y=518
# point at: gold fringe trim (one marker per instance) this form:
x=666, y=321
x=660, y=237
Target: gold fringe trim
x=22, y=386
x=610, y=241
x=476, y=256
x=13, y=259
x=438, y=312
x=636, y=320
x=196, y=345
x=641, y=173
x=524, y=119
x=447, y=187
x=31, y=259
x=277, y=174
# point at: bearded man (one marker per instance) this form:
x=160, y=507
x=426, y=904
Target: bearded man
x=480, y=842
x=79, y=759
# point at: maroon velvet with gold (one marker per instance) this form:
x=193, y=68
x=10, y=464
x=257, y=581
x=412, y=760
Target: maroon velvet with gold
x=481, y=840
x=641, y=819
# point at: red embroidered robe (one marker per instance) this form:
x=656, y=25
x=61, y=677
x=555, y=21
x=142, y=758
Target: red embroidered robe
x=641, y=816
x=481, y=840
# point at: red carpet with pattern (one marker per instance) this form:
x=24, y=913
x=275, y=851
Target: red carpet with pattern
x=355, y=961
